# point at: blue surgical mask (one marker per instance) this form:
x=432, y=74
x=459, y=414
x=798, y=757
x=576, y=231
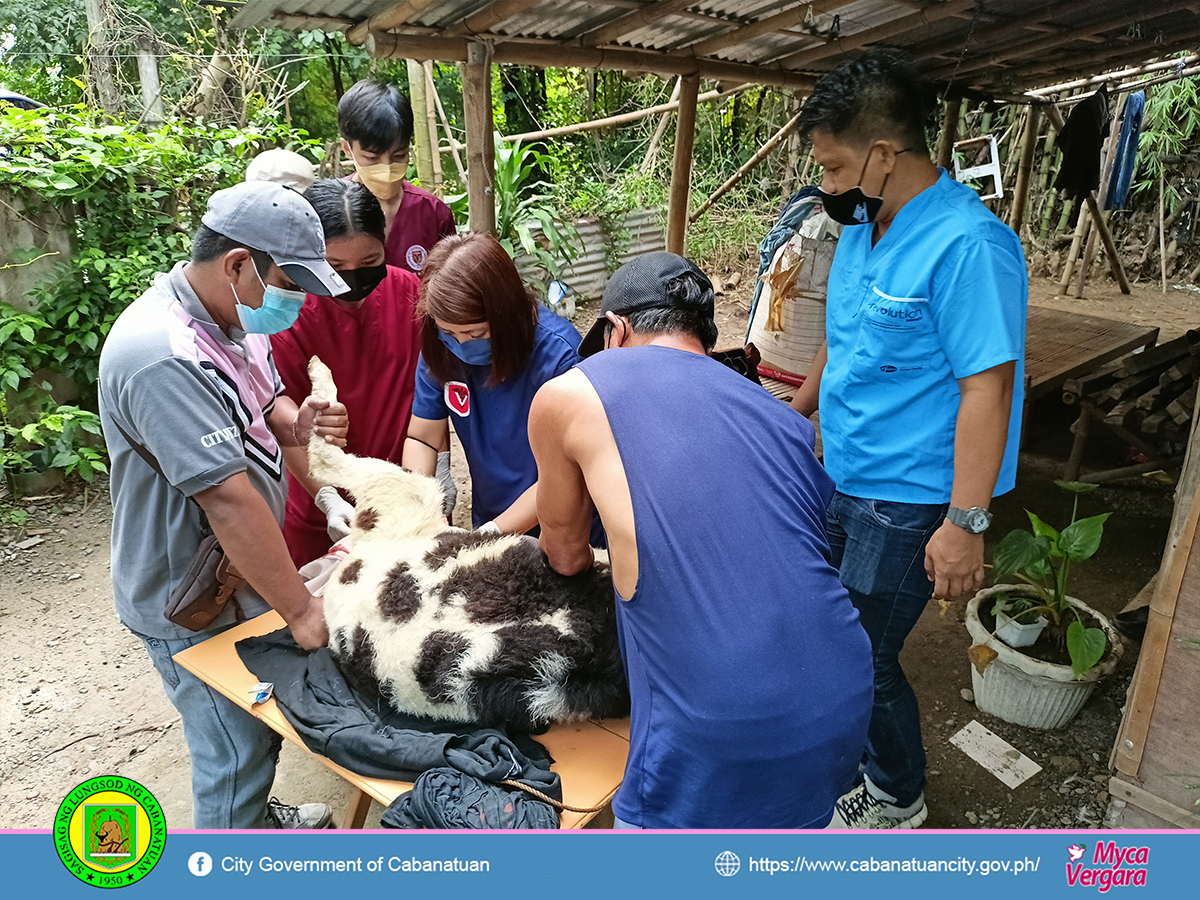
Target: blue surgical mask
x=477, y=352
x=279, y=311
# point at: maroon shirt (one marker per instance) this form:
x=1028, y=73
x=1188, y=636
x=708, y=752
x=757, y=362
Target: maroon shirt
x=421, y=221
x=372, y=352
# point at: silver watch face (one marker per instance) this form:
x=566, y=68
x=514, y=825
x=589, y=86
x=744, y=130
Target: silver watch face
x=977, y=521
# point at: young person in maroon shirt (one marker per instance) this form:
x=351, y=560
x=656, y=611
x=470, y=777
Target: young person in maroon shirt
x=370, y=338
x=376, y=124
x=375, y=121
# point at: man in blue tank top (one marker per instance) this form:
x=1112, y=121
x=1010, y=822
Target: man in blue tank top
x=919, y=387
x=749, y=672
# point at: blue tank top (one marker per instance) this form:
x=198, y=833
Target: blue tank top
x=750, y=675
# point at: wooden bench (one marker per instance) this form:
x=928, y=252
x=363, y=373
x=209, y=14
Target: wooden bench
x=590, y=756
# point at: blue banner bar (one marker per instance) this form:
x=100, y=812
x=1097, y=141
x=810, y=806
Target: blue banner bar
x=625, y=865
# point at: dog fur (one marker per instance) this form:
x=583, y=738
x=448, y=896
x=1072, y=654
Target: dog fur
x=455, y=625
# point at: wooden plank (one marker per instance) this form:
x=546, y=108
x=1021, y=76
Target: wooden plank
x=1139, y=707
x=1181, y=407
x=1136, y=384
x=1172, y=351
x=1153, y=423
x=1156, y=806
x=1180, y=371
x=681, y=168
x=1077, y=387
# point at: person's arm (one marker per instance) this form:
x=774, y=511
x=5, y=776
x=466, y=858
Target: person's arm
x=954, y=558
x=521, y=515
x=808, y=394
x=250, y=536
x=425, y=437
x=564, y=506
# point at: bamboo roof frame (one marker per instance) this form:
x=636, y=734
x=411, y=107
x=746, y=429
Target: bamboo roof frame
x=994, y=47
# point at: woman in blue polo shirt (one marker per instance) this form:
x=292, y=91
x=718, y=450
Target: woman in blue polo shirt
x=486, y=348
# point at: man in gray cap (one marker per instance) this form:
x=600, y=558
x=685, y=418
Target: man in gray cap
x=195, y=419
x=749, y=672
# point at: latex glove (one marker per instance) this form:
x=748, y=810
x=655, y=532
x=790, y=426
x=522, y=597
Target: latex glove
x=488, y=528
x=338, y=513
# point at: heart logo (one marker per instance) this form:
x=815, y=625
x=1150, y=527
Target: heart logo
x=458, y=398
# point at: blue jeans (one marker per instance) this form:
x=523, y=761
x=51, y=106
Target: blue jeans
x=878, y=549
x=233, y=753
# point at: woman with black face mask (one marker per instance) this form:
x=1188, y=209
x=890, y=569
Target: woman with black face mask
x=371, y=340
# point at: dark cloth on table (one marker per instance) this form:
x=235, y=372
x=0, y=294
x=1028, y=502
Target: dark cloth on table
x=1127, y=146
x=448, y=798
x=365, y=735
x=1080, y=141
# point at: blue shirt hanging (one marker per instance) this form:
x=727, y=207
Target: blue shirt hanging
x=1125, y=162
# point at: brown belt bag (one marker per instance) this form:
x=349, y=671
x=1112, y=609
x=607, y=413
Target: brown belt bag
x=206, y=589
x=211, y=579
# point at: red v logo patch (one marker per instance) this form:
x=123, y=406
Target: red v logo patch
x=458, y=398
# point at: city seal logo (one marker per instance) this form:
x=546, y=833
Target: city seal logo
x=110, y=832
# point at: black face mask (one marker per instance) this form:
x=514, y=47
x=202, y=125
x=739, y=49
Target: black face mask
x=853, y=207
x=362, y=282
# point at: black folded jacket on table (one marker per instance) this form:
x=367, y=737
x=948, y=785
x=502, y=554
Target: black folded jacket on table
x=367, y=736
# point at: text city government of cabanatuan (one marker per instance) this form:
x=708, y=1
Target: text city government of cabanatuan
x=377, y=864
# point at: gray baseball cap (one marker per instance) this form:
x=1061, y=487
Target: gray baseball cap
x=275, y=219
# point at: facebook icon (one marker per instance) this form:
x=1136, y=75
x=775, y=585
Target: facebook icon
x=200, y=864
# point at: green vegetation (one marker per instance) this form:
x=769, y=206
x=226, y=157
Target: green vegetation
x=1043, y=558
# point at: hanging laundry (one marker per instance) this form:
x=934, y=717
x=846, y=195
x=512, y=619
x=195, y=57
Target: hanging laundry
x=1127, y=146
x=1080, y=142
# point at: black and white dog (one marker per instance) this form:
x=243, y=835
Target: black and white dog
x=455, y=625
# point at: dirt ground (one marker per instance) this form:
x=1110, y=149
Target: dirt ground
x=80, y=698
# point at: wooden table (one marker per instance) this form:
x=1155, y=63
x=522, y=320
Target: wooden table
x=590, y=756
x=1061, y=345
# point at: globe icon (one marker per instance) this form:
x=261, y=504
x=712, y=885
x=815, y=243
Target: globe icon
x=728, y=863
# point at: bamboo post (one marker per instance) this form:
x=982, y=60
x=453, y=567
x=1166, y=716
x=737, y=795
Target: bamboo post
x=422, y=151
x=792, y=167
x=1110, y=156
x=763, y=152
x=458, y=163
x=1110, y=247
x=1081, y=226
x=647, y=165
x=1021, y=192
x=481, y=146
x=945, y=148
x=1162, y=230
x=431, y=126
x=681, y=169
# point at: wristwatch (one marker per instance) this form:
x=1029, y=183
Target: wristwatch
x=973, y=521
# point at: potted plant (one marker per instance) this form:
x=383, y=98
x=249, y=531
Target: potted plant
x=35, y=456
x=1017, y=685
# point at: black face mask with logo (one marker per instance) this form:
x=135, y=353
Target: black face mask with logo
x=362, y=282
x=853, y=207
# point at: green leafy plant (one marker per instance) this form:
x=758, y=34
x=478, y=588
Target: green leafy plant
x=526, y=219
x=57, y=439
x=1043, y=558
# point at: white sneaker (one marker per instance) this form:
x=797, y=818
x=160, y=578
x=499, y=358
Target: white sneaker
x=860, y=809
x=306, y=815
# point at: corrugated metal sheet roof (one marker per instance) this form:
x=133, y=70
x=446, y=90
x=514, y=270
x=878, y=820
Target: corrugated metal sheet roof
x=1003, y=45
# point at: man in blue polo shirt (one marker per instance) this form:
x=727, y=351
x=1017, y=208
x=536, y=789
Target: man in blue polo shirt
x=919, y=387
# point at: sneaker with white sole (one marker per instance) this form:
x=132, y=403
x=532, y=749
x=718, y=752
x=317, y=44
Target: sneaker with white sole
x=306, y=815
x=860, y=809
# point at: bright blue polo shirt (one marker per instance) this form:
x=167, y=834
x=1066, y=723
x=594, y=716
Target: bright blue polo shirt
x=941, y=296
x=493, y=421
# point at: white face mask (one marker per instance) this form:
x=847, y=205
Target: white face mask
x=384, y=180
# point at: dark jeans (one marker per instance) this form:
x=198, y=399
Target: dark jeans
x=879, y=551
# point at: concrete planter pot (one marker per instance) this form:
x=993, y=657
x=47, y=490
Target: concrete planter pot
x=30, y=484
x=1026, y=691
